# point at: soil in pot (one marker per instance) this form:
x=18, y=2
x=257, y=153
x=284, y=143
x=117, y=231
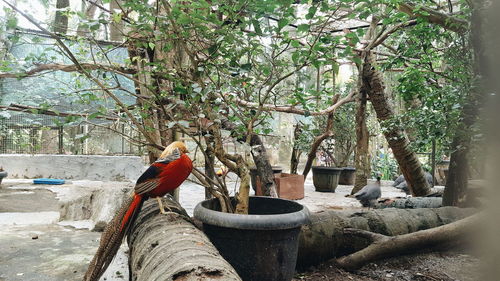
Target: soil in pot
x=347, y=176
x=260, y=246
x=325, y=179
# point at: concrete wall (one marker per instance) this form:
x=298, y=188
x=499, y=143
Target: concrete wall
x=89, y=167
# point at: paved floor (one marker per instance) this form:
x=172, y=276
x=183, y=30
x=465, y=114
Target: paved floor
x=35, y=245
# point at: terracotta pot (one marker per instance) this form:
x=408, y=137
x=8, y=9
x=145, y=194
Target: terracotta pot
x=289, y=186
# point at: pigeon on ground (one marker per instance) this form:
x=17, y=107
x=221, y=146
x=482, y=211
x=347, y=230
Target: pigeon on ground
x=369, y=194
x=400, y=182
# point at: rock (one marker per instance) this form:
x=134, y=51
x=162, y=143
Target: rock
x=99, y=226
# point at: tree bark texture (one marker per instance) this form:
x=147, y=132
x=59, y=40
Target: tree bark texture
x=170, y=247
x=264, y=169
x=458, y=175
x=412, y=203
x=362, y=156
x=295, y=158
x=316, y=143
x=383, y=246
x=323, y=238
x=61, y=21
x=395, y=135
x=115, y=28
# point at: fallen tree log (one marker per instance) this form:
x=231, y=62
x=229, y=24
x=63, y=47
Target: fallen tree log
x=412, y=203
x=170, y=247
x=324, y=238
x=383, y=246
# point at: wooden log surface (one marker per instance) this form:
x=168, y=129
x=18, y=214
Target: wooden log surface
x=323, y=238
x=412, y=203
x=170, y=247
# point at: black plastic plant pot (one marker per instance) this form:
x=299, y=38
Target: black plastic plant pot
x=347, y=176
x=326, y=179
x=262, y=245
x=3, y=174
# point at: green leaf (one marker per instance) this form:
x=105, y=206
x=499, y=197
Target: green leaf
x=256, y=26
x=335, y=68
x=295, y=57
x=303, y=28
x=282, y=23
x=311, y=12
x=117, y=17
x=246, y=66
x=93, y=115
x=357, y=60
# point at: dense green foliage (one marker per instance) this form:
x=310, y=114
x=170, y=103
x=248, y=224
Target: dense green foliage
x=241, y=60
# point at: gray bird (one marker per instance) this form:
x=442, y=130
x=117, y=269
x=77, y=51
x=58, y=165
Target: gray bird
x=400, y=182
x=369, y=194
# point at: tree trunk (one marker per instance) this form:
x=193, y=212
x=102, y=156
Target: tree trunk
x=61, y=20
x=395, y=135
x=264, y=169
x=383, y=246
x=170, y=247
x=209, y=163
x=362, y=157
x=115, y=28
x=89, y=14
x=295, y=158
x=458, y=173
x=323, y=238
x=317, y=142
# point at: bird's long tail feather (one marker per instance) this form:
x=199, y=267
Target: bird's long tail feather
x=112, y=237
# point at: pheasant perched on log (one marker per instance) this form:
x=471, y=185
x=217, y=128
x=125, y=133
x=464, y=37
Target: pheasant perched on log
x=163, y=176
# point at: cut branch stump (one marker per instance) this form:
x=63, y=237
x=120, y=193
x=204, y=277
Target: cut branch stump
x=170, y=247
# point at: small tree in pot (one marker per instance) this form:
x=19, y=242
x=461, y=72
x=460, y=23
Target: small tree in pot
x=325, y=175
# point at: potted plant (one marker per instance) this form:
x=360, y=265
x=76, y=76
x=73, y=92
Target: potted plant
x=344, y=134
x=347, y=176
x=325, y=176
x=3, y=174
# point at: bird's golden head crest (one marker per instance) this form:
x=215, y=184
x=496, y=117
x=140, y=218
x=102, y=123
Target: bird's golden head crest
x=171, y=147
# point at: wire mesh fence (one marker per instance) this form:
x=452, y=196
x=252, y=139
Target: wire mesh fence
x=38, y=134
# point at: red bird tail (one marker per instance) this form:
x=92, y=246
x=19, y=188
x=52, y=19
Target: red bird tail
x=112, y=237
x=131, y=210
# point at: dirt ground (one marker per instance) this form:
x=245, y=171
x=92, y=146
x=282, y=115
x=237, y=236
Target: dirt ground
x=432, y=266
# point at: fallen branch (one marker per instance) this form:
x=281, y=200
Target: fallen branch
x=383, y=246
x=323, y=238
x=42, y=68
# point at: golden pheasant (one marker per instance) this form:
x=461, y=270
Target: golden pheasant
x=163, y=176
